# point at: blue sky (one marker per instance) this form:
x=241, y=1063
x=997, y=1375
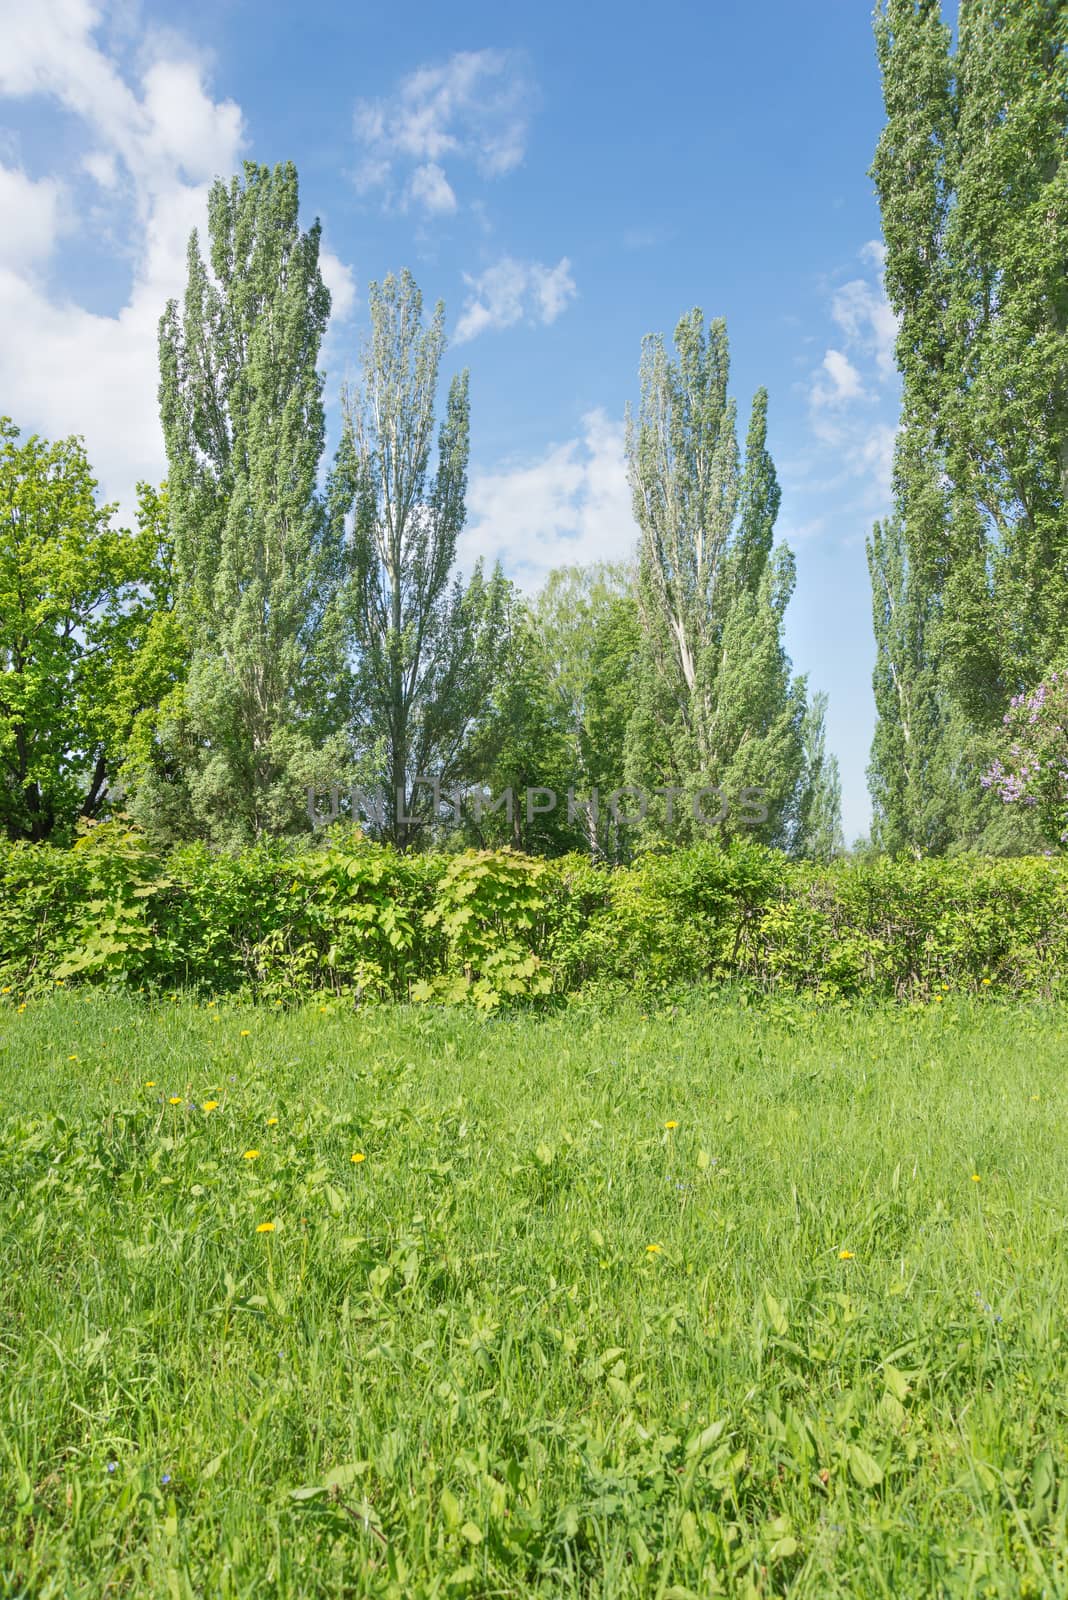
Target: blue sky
x=566, y=178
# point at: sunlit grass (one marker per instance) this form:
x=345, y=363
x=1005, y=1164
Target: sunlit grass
x=404, y=1303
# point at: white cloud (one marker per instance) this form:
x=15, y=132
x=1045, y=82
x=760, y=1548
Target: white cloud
x=31, y=217
x=430, y=188
x=854, y=388
x=515, y=291
x=155, y=138
x=865, y=315
x=845, y=384
x=340, y=281
x=571, y=505
x=65, y=369
x=473, y=108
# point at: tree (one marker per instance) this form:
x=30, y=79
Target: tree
x=587, y=624
x=973, y=186
x=428, y=645
x=1032, y=770
x=258, y=564
x=908, y=774
x=522, y=742
x=819, y=831
x=75, y=613
x=716, y=704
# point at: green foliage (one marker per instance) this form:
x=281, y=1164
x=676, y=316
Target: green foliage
x=969, y=581
x=715, y=700
x=1032, y=770
x=488, y=927
x=722, y=1300
x=258, y=564
x=77, y=637
x=428, y=646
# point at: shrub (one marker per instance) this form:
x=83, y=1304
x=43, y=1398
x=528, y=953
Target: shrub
x=357, y=920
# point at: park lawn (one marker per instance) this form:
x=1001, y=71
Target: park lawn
x=719, y=1300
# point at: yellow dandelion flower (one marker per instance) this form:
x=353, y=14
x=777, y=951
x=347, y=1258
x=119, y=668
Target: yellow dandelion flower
x=846, y=1255
x=938, y=999
x=272, y=1122
x=986, y=980
x=670, y=1124
x=976, y=1178
x=322, y=1010
x=176, y=1099
x=22, y=1007
x=72, y=1058
x=6, y=989
x=654, y=1249
x=210, y=1105
x=265, y=1227
x=358, y=1155
x=245, y=1032
x=251, y=1155
x=150, y=1083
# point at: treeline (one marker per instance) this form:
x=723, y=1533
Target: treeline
x=273, y=632
x=970, y=574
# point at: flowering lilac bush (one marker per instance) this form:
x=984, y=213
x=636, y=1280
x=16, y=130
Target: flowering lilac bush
x=1034, y=768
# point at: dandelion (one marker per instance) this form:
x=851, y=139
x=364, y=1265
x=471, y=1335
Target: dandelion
x=654, y=1249
x=251, y=1155
x=175, y=1100
x=986, y=980
x=272, y=1122
x=6, y=989
x=846, y=1255
x=72, y=1058
x=210, y=1105
x=245, y=1032
x=265, y=1227
x=150, y=1083
x=22, y=1007
x=358, y=1156
x=975, y=1177
x=670, y=1124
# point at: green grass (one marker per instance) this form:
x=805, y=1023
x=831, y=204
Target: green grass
x=457, y=1368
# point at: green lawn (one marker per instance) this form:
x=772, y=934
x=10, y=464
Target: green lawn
x=722, y=1301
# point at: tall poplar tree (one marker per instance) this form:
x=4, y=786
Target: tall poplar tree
x=428, y=645
x=972, y=177
x=258, y=564
x=716, y=701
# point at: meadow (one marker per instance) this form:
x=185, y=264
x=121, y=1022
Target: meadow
x=405, y=1301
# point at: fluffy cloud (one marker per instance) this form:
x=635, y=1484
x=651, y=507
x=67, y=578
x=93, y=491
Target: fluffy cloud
x=31, y=215
x=155, y=143
x=155, y=138
x=474, y=108
x=844, y=381
x=854, y=388
x=571, y=505
x=515, y=291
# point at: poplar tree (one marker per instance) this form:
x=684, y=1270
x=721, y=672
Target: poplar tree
x=819, y=832
x=257, y=562
x=428, y=645
x=973, y=186
x=716, y=701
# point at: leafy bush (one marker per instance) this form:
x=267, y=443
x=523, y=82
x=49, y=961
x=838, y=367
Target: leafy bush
x=358, y=921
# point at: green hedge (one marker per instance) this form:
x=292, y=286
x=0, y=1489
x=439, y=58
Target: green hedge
x=356, y=919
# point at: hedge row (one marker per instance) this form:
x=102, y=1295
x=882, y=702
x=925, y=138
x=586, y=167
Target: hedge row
x=357, y=919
